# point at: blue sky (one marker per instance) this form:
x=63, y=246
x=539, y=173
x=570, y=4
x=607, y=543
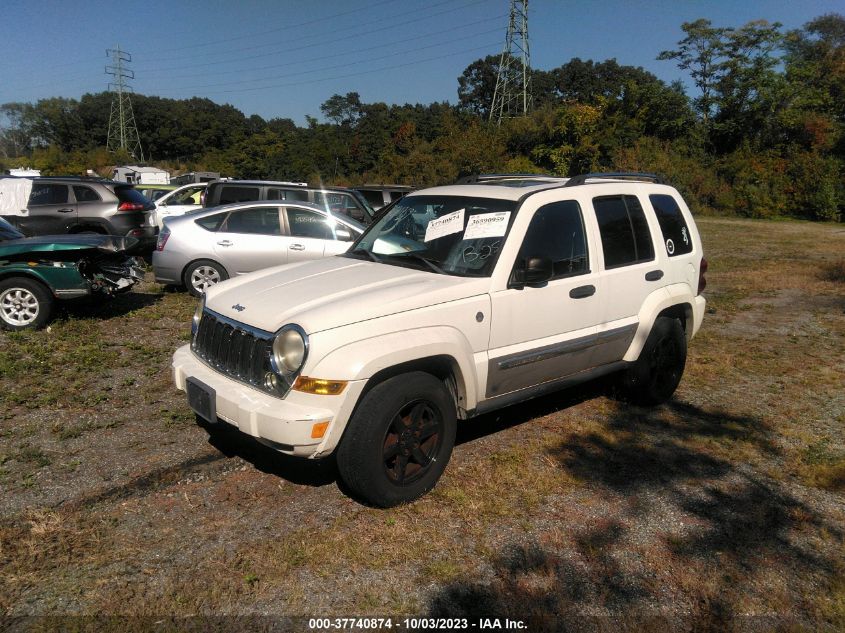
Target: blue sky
x=284, y=58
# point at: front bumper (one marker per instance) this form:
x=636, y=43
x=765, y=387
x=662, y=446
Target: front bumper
x=285, y=423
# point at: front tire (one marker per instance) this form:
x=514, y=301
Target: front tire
x=24, y=304
x=655, y=375
x=202, y=274
x=399, y=440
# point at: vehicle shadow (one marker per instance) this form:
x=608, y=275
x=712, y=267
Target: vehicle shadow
x=517, y=414
x=105, y=308
x=232, y=443
x=693, y=538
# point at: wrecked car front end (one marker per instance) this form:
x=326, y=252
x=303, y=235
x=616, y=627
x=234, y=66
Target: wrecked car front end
x=35, y=272
x=75, y=265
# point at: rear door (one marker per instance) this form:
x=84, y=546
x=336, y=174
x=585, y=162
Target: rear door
x=250, y=239
x=631, y=271
x=51, y=210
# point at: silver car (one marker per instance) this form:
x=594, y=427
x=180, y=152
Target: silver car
x=203, y=248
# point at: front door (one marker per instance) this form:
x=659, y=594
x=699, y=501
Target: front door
x=542, y=333
x=312, y=235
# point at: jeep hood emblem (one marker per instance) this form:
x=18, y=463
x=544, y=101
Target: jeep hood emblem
x=238, y=307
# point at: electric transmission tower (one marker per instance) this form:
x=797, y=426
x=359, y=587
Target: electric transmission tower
x=512, y=95
x=123, y=133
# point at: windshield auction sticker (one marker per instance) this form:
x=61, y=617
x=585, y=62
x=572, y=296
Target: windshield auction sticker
x=487, y=225
x=445, y=225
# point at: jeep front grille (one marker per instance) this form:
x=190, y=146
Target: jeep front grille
x=234, y=349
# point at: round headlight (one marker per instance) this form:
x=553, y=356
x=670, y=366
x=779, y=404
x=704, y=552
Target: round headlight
x=289, y=348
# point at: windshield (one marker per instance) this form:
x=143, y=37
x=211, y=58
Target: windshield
x=450, y=235
x=8, y=232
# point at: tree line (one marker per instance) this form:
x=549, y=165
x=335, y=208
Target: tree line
x=761, y=135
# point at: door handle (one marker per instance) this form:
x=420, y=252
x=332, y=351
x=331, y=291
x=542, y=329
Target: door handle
x=296, y=247
x=654, y=275
x=65, y=210
x=582, y=292
x=224, y=243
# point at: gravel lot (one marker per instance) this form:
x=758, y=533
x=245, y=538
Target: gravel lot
x=722, y=510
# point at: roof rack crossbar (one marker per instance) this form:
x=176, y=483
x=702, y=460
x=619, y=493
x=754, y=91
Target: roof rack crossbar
x=617, y=175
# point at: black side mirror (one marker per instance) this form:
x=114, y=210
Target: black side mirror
x=536, y=270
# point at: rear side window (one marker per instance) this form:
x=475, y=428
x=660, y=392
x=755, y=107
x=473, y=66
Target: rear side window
x=672, y=224
x=625, y=238
x=48, y=194
x=85, y=194
x=211, y=222
x=257, y=221
x=557, y=233
x=238, y=194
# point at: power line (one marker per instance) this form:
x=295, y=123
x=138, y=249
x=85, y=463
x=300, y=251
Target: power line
x=325, y=20
x=275, y=30
x=363, y=72
x=328, y=68
x=359, y=34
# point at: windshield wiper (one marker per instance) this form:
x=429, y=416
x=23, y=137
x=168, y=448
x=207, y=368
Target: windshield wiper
x=365, y=251
x=427, y=261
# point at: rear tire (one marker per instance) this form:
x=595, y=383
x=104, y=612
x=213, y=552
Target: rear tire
x=399, y=440
x=25, y=304
x=655, y=375
x=202, y=274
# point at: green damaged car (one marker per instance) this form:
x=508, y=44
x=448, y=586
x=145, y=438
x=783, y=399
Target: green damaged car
x=36, y=272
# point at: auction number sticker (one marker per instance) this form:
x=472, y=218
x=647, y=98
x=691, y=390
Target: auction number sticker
x=487, y=225
x=445, y=225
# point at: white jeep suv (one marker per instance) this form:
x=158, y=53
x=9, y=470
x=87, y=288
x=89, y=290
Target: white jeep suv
x=457, y=301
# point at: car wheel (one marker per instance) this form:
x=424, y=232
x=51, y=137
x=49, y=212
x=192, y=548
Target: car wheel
x=24, y=304
x=655, y=375
x=202, y=274
x=399, y=440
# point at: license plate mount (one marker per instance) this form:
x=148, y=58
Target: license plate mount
x=202, y=399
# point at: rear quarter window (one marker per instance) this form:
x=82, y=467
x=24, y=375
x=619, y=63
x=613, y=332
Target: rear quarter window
x=212, y=222
x=130, y=194
x=676, y=237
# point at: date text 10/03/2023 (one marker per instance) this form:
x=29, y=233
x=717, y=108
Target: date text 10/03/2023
x=415, y=624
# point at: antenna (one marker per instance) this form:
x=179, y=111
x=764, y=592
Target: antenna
x=512, y=95
x=123, y=133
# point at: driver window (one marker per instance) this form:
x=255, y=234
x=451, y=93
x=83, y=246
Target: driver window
x=557, y=233
x=304, y=223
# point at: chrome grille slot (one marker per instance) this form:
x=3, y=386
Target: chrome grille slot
x=237, y=350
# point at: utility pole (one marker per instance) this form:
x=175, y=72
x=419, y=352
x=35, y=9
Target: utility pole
x=123, y=133
x=512, y=95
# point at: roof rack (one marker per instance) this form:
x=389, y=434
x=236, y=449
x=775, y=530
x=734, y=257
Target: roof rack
x=616, y=175
x=481, y=178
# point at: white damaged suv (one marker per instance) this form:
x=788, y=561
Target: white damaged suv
x=457, y=301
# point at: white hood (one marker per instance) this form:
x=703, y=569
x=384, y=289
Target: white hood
x=332, y=292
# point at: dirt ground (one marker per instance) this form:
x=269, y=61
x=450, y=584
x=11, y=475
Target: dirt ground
x=722, y=510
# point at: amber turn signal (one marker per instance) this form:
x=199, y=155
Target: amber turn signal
x=319, y=430
x=319, y=386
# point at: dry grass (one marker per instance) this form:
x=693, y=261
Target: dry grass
x=714, y=512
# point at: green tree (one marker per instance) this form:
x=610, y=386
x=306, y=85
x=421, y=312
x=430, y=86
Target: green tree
x=700, y=53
